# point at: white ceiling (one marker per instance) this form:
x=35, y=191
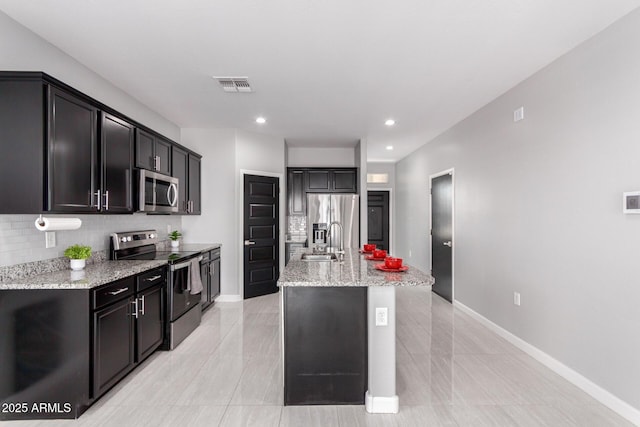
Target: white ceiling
x=324, y=72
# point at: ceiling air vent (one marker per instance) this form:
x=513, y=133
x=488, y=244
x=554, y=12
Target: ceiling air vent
x=234, y=84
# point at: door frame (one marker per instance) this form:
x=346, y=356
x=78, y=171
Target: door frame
x=450, y=171
x=240, y=224
x=391, y=206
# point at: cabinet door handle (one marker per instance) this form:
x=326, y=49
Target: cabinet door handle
x=119, y=291
x=249, y=243
x=212, y=270
x=135, y=308
x=152, y=278
x=106, y=200
x=98, y=200
x=142, y=305
x=159, y=164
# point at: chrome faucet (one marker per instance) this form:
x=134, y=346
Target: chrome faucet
x=341, y=248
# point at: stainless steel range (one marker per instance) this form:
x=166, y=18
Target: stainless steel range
x=183, y=311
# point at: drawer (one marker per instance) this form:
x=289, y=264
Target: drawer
x=150, y=278
x=114, y=291
x=215, y=253
x=206, y=256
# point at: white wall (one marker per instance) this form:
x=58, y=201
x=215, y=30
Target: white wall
x=23, y=50
x=225, y=154
x=218, y=222
x=309, y=157
x=538, y=209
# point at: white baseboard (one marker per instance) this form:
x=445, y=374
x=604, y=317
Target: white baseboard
x=603, y=396
x=381, y=405
x=228, y=298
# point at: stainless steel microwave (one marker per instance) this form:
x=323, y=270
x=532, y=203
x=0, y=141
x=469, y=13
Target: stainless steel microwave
x=157, y=193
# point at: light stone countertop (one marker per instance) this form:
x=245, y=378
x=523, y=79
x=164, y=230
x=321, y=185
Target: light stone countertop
x=198, y=247
x=354, y=270
x=92, y=276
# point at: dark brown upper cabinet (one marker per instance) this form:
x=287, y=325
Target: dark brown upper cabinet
x=63, y=151
x=318, y=181
x=117, y=164
x=153, y=152
x=186, y=167
x=87, y=173
x=296, y=193
x=72, y=155
x=194, y=184
x=336, y=180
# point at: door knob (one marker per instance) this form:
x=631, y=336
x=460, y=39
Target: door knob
x=447, y=243
x=249, y=243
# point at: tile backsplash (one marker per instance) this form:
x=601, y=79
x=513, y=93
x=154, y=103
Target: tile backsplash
x=296, y=224
x=21, y=242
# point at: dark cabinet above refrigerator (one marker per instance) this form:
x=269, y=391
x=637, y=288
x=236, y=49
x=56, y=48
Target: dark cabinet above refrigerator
x=301, y=181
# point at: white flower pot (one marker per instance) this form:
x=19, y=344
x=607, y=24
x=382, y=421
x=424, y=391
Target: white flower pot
x=175, y=243
x=78, y=264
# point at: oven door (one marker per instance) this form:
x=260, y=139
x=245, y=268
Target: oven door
x=181, y=298
x=157, y=192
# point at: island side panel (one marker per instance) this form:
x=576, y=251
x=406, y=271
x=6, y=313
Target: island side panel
x=381, y=396
x=44, y=348
x=325, y=345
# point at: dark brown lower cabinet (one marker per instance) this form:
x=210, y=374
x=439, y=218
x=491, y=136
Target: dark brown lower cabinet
x=113, y=356
x=325, y=345
x=127, y=327
x=150, y=323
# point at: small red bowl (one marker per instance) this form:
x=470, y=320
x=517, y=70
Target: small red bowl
x=369, y=247
x=379, y=253
x=391, y=262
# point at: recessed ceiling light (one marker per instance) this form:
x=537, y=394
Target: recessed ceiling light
x=389, y=147
x=390, y=122
x=261, y=120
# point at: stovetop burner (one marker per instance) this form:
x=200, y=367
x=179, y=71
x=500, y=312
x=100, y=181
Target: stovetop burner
x=141, y=245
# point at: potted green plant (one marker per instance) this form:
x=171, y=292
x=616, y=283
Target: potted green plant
x=175, y=238
x=78, y=255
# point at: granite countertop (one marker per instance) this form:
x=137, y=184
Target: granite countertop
x=92, y=276
x=354, y=270
x=198, y=247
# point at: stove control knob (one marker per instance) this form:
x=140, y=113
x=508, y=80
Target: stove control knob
x=152, y=236
x=129, y=239
x=123, y=239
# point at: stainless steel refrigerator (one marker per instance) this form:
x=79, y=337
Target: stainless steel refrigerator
x=325, y=209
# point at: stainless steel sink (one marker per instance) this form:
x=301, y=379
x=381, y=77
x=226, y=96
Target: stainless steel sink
x=319, y=257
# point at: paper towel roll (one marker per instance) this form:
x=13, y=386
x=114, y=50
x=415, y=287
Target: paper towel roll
x=57, y=224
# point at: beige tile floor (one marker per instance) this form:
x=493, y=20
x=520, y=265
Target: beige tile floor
x=452, y=371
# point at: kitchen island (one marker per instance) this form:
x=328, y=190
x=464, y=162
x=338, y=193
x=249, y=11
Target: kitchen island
x=339, y=331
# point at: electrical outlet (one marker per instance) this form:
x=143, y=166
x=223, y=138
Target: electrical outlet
x=409, y=253
x=516, y=298
x=49, y=239
x=382, y=316
x=168, y=228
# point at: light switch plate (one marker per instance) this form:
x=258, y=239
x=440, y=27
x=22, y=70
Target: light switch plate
x=518, y=114
x=382, y=316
